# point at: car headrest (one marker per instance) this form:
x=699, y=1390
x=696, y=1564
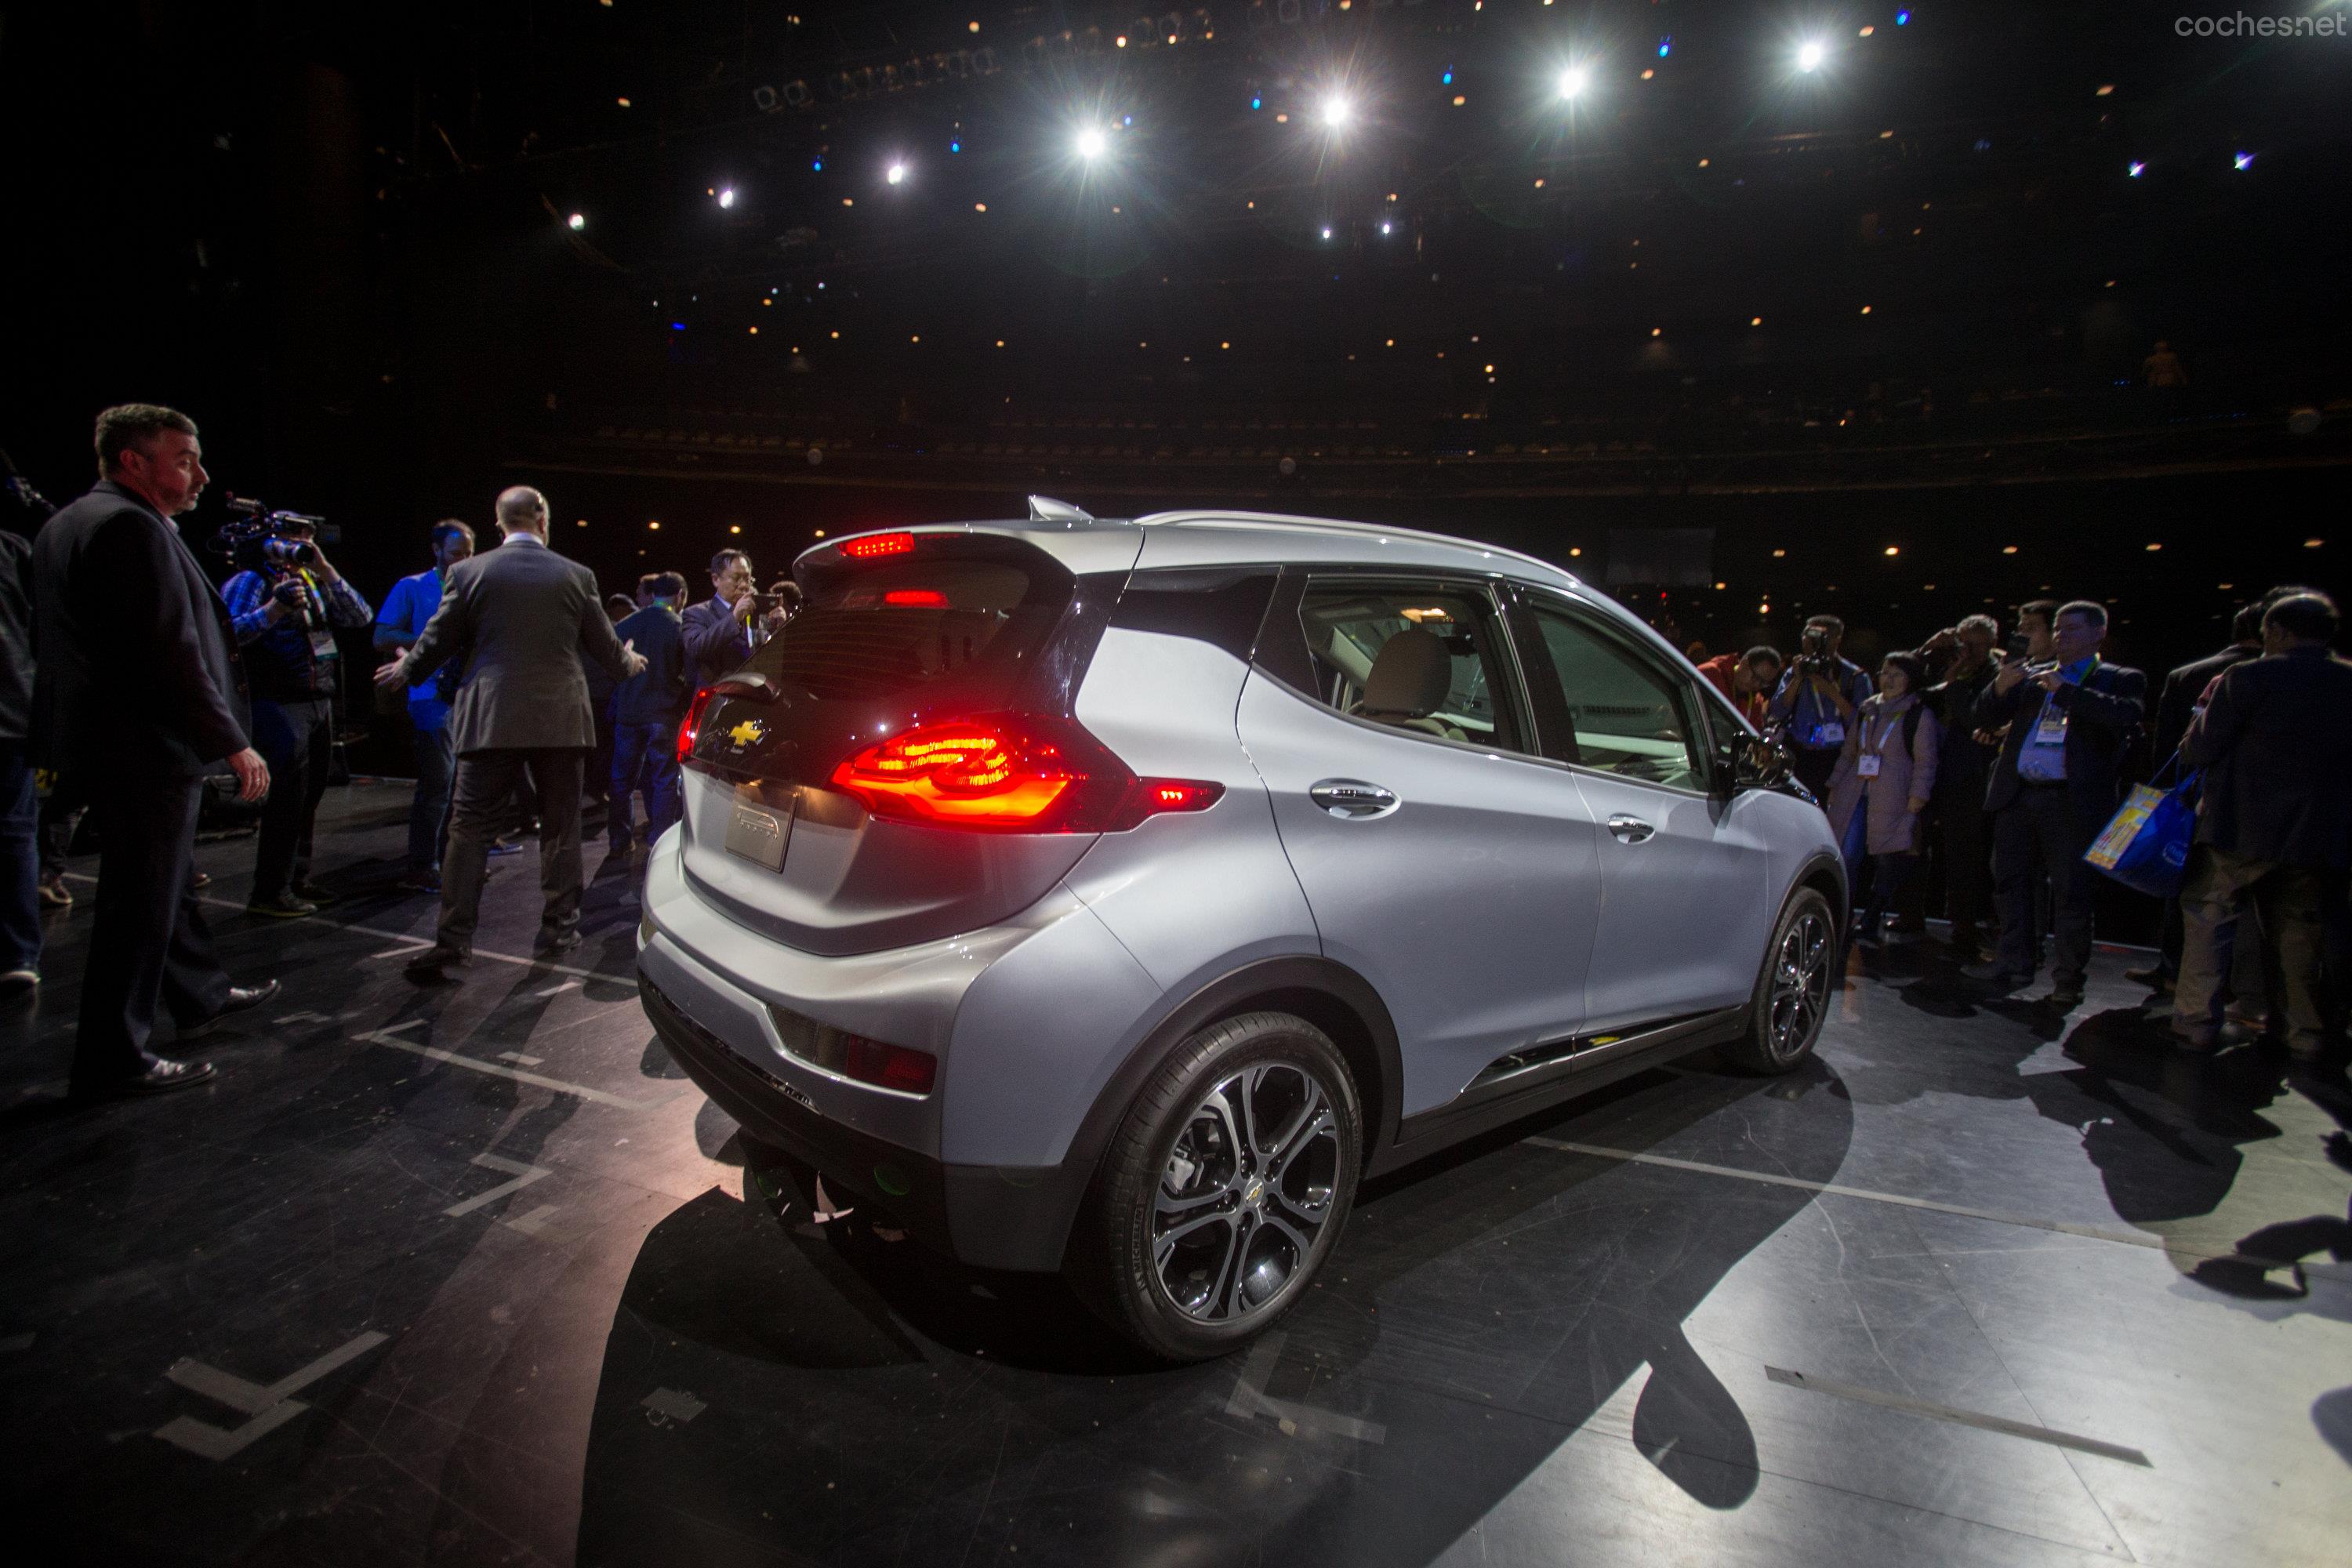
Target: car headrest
x=1410, y=677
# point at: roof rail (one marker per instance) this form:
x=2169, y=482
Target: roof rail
x=1340, y=525
x=1045, y=508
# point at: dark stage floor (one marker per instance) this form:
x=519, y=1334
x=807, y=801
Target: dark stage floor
x=469, y=1275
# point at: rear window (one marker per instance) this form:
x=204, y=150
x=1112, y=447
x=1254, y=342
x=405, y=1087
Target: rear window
x=892, y=628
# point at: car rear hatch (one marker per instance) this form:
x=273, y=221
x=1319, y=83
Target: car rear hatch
x=893, y=767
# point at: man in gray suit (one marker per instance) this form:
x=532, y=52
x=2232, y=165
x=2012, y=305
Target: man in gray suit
x=520, y=619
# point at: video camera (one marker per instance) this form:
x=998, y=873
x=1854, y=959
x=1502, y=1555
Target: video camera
x=259, y=538
x=1813, y=655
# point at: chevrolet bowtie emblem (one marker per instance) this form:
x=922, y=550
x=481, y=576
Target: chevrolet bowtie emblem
x=745, y=733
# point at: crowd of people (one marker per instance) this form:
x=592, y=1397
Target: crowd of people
x=1998, y=765
x=2001, y=765
x=128, y=679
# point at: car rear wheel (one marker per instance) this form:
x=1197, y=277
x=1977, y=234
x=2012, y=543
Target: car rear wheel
x=1224, y=1189
x=1792, y=994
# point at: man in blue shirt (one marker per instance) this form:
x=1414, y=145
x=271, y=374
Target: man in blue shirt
x=407, y=608
x=647, y=709
x=1817, y=700
x=2070, y=719
x=283, y=613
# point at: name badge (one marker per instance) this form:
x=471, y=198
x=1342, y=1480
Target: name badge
x=1866, y=765
x=322, y=645
x=1829, y=732
x=2051, y=729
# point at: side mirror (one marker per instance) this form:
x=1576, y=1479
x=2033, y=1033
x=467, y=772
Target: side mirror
x=1760, y=762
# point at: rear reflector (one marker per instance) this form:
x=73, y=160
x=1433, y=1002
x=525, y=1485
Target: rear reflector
x=868, y=546
x=1015, y=774
x=687, y=731
x=901, y=1068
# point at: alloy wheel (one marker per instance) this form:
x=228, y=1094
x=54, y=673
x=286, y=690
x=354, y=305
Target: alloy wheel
x=1246, y=1194
x=1801, y=983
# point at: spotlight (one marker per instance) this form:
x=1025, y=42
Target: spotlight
x=2136, y=169
x=1811, y=54
x=1386, y=227
x=898, y=174
x=1092, y=143
x=1327, y=234
x=2242, y=162
x=726, y=197
x=579, y=221
x=1574, y=80
x=1338, y=112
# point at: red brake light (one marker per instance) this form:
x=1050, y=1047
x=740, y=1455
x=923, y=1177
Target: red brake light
x=916, y=598
x=687, y=731
x=1011, y=774
x=892, y=1067
x=873, y=544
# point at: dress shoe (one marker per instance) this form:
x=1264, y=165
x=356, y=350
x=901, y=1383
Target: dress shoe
x=2153, y=976
x=241, y=998
x=311, y=893
x=161, y=1076
x=414, y=884
x=435, y=961
x=55, y=893
x=282, y=906
x=200, y=879
x=561, y=940
x=1994, y=974
x=2064, y=995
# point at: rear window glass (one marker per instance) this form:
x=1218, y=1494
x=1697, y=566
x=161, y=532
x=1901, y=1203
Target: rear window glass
x=1450, y=686
x=880, y=630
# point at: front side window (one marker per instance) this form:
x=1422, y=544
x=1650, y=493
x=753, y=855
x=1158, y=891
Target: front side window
x=1624, y=715
x=1427, y=660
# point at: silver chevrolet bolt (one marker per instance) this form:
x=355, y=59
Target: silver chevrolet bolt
x=1113, y=896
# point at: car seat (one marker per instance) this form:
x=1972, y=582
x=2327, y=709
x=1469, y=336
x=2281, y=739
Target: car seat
x=1409, y=681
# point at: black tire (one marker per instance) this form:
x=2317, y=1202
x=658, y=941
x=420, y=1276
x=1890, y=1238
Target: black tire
x=1240, y=1214
x=1792, y=988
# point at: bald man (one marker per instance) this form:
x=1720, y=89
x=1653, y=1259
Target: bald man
x=521, y=619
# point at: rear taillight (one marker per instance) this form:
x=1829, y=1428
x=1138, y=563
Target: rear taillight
x=686, y=731
x=916, y=599
x=1011, y=774
x=865, y=547
x=901, y=1068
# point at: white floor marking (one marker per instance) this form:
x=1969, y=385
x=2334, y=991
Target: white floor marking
x=524, y=1176
x=533, y=1222
x=268, y=1408
x=555, y=990
x=519, y=1059
x=474, y=1064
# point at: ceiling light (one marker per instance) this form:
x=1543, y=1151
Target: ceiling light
x=1811, y=54
x=898, y=174
x=578, y=221
x=1574, y=80
x=1338, y=112
x=1092, y=143
x=726, y=197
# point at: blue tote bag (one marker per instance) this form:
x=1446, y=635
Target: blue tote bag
x=2145, y=844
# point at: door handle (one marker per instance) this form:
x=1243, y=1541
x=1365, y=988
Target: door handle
x=1630, y=829
x=1352, y=799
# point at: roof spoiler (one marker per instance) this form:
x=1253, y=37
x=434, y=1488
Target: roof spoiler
x=1045, y=508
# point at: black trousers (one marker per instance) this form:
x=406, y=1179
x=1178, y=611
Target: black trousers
x=149, y=942
x=297, y=741
x=1967, y=858
x=2037, y=838
x=485, y=783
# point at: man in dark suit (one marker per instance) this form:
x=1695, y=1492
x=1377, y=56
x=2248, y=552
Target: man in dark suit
x=718, y=631
x=519, y=617
x=138, y=695
x=647, y=709
x=2177, y=704
x=2071, y=719
x=2275, y=824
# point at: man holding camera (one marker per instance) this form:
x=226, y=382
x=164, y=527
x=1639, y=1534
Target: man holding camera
x=718, y=631
x=1971, y=656
x=139, y=694
x=520, y=617
x=2067, y=721
x=283, y=609
x=1817, y=700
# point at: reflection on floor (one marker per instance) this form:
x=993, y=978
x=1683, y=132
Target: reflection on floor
x=473, y=1274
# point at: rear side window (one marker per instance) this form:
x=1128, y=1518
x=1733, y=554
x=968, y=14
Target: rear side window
x=1625, y=716
x=1426, y=659
x=887, y=629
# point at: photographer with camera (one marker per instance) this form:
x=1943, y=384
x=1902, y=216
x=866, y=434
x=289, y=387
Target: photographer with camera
x=721, y=631
x=139, y=694
x=284, y=604
x=1817, y=700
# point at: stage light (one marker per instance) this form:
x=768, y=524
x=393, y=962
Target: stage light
x=579, y=221
x=955, y=146
x=1092, y=143
x=1336, y=112
x=817, y=164
x=2242, y=162
x=1895, y=549
x=1755, y=321
x=1811, y=54
x=1386, y=225
x=898, y=174
x=2106, y=90
x=2136, y=169
x=622, y=101
x=1327, y=234
x=726, y=197
x=1447, y=79
x=1666, y=46
x=2009, y=550
x=1902, y=18
x=1574, y=80
x=1779, y=554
